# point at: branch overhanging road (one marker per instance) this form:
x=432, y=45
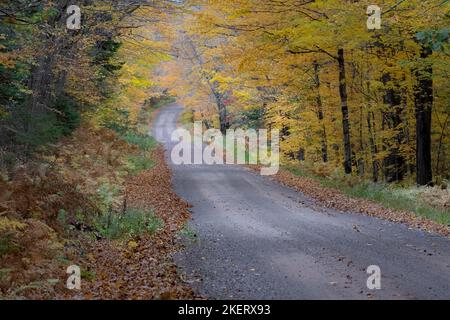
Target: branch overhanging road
x=259, y=240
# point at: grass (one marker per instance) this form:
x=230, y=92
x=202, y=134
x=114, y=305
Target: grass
x=188, y=232
x=390, y=195
x=132, y=223
x=87, y=275
x=136, y=164
x=142, y=141
x=145, y=143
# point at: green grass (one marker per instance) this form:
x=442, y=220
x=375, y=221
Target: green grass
x=390, y=195
x=188, y=232
x=132, y=223
x=136, y=164
x=87, y=275
x=143, y=141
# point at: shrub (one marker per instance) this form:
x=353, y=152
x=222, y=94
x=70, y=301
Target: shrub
x=116, y=119
x=31, y=130
x=7, y=244
x=42, y=129
x=8, y=162
x=132, y=223
x=142, y=141
x=136, y=164
x=68, y=116
x=107, y=196
x=8, y=234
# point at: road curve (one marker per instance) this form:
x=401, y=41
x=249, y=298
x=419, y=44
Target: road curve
x=259, y=240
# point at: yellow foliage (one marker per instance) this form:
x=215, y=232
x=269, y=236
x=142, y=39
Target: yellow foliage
x=7, y=224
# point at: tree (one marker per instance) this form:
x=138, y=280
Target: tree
x=424, y=104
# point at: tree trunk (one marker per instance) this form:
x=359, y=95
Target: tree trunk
x=424, y=104
x=320, y=112
x=344, y=107
x=394, y=163
x=373, y=146
x=222, y=110
x=301, y=154
x=441, y=138
x=361, y=159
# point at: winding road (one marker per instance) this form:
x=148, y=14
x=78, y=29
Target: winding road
x=256, y=239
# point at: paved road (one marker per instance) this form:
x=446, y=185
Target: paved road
x=259, y=240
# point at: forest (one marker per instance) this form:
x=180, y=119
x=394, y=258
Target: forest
x=372, y=103
x=361, y=100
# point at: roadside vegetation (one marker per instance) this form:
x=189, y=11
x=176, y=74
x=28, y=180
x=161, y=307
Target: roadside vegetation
x=69, y=195
x=428, y=202
x=75, y=109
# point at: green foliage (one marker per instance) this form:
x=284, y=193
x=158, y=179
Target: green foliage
x=188, y=232
x=7, y=244
x=5, y=272
x=143, y=141
x=12, y=87
x=41, y=129
x=253, y=118
x=132, y=223
x=62, y=217
x=87, y=275
x=187, y=117
x=106, y=50
x=106, y=195
x=30, y=131
x=106, y=75
x=159, y=101
x=8, y=161
x=116, y=119
x=398, y=198
x=68, y=116
x=136, y=164
x=438, y=40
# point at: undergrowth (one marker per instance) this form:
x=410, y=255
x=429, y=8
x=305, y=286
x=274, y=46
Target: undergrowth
x=143, y=141
x=394, y=196
x=134, y=222
x=69, y=193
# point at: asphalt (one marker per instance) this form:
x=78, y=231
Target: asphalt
x=256, y=239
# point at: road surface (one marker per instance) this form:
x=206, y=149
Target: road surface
x=259, y=240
